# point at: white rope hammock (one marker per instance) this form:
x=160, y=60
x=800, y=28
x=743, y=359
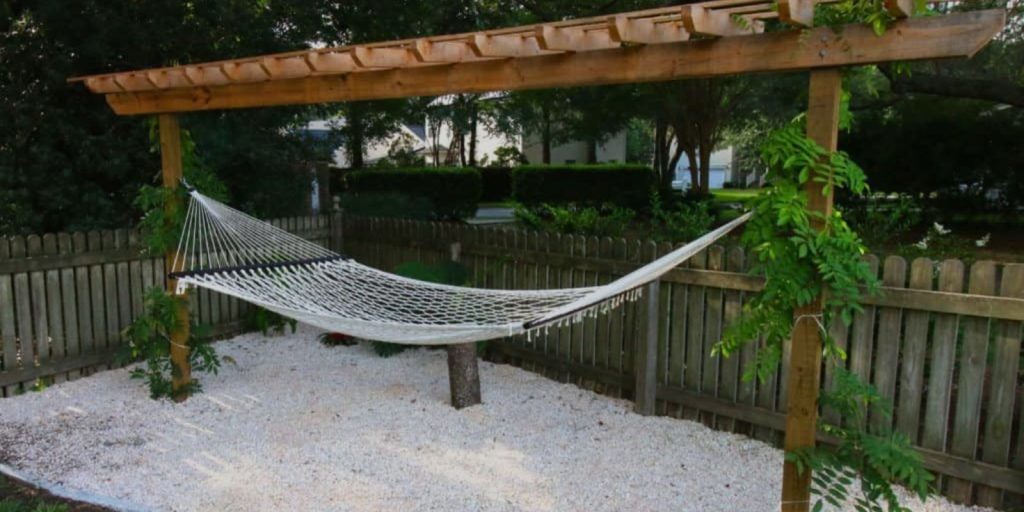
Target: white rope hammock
x=227, y=251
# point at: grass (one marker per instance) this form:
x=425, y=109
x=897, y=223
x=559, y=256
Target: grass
x=16, y=497
x=735, y=195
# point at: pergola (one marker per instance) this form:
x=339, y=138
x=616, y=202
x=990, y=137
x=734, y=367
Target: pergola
x=707, y=39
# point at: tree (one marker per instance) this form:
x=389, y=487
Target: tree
x=66, y=161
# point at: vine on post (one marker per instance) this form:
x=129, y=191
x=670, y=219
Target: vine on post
x=149, y=336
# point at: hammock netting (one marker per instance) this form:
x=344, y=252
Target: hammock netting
x=227, y=251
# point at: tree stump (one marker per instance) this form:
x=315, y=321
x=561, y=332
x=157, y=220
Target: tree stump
x=463, y=375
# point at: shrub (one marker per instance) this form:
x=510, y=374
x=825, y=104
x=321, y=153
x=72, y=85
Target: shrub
x=680, y=220
x=453, y=192
x=387, y=204
x=496, y=184
x=624, y=185
x=574, y=220
x=149, y=339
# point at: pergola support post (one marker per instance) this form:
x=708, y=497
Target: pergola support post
x=171, y=165
x=463, y=367
x=805, y=356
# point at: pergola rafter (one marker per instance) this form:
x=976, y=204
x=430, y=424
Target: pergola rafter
x=707, y=39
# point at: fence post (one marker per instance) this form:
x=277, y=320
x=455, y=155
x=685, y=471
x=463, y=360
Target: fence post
x=463, y=368
x=647, y=355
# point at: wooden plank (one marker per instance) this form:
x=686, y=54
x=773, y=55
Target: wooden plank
x=915, y=349
x=863, y=334
x=23, y=307
x=971, y=380
x=603, y=334
x=647, y=354
x=40, y=321
x=805, y=361
x=890, y=320
x=1005, y=308
x=579, y=279
x=952, y=35
x=96, y=293
x=664, y=321
x=8, y=329
x=45, y=261
x=692, y=375
x=54, y=315
x=69, y=300
x=729, y=367
x=941, y=363
x=1002, y=387
x=712, y=330
x=677, y=348
x=84, y=297
x=124, y=294
x=567, y=246
x=137, y=285
x=112, y=307
x=617, y=324
x=171, y=174
x=57, y=367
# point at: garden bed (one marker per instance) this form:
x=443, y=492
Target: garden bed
x=291, y=424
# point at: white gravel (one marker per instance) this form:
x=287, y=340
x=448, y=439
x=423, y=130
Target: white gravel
x=293, y=425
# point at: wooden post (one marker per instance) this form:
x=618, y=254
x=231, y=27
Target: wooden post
x=463, y=368
x=647, y=355
x=170, y=156
x=805, y=356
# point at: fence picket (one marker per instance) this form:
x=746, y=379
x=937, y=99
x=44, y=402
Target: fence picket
x=1002, y=387
x=887, y=354
x=915, y=345
x=55, y=318
x=40, y=324
x=8, y=330
x=99, y=321
x=695, y=356
x=971, y=381
x=23, y=307
x=941, y=363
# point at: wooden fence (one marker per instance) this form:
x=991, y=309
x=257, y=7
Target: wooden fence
x=65, y=299
x=943, y=342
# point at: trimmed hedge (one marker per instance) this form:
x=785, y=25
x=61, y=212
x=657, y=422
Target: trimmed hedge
x=452, y=191
x=497, y=183
x=625, y=185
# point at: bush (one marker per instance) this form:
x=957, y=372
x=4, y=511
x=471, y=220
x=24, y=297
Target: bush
x=679, y=219
x=453, y=192
x=387, y=204
x=497, y=184
x=573, y=220
x=624, y=185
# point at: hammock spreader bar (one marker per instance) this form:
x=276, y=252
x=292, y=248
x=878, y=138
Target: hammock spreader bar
x=256, y=266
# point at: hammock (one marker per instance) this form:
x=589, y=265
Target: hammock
x=227, y=251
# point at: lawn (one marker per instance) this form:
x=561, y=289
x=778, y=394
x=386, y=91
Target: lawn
x=735, y=195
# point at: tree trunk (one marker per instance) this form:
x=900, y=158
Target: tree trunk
x=472, y=136
x=705, y=169
x=463, y=375
x=462, y=149
x=591, y=151
x=691, y=155
x=546, y=138
x=670, y=175
x=355, y=139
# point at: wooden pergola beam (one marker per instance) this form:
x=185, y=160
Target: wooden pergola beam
x=948, y=36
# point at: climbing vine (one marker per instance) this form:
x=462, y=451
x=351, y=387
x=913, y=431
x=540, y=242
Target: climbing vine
x=806, y=255
x=149, y=336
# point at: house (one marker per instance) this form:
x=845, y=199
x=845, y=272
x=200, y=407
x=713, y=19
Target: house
x=721, y=170
x=611, y=150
